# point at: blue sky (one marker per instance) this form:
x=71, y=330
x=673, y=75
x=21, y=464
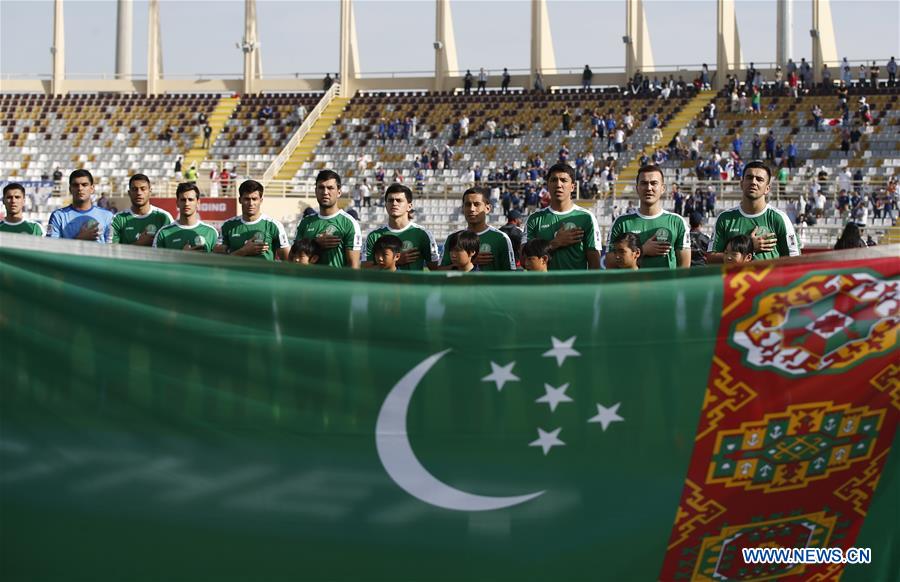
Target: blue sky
x=199, y=36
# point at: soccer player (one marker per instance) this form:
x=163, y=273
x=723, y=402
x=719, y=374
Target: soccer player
x=419, y=246
x=189, y=232
x=139, y=224
x=664, y=235
x=573, y=232
x=304, y=251
x=495, y=252
x=14, y=202
x=536, y=255
x=463, y=249
x=624, y=252
x=337, y=232
x=739, y=250
x=81, y=220
x=253, y=234
x=386, y=251
x=770, y=229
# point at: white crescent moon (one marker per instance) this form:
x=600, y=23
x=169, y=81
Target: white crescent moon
x=401, y=463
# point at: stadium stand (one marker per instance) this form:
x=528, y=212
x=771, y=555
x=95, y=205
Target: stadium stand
x=256, y=135
x=115, y=135
x=533, y=121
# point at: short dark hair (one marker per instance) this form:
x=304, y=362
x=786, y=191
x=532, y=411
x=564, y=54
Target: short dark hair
x=305, y=246
x=397, y=187
x=561, y=167
x=187, y=187
x=80, y=174
x=649, y=168
x=741, y=243
x=13, y=186
x=138, y=178
x=630, y=239
x=387, y=242
x=326, y=175
x=536, y=247
x=696, y=219
x=758, y=164
x=249, y=187
x=485, y=194
x=464, y=240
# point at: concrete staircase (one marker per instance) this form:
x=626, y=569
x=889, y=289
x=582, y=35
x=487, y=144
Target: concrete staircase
x=216, y=121
x=892, y=236
x=304, y=150
x=628, y=175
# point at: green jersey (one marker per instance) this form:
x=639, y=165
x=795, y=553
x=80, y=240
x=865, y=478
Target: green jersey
x=177, y=236
x=24, y=226
x=127, y=226
x=735, y=221
x=546, y=222
x=341, y=225
x=668, y=228
x=414, y=237
x=493, y=241
x=236, y=232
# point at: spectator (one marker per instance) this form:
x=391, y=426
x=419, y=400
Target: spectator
x=513, y=229
x=539, y=82
x=464, y=125
x=327, y=82
x=587, y=77
x=191, y=174
x=845, y=72
x=265, y=113
x=826, y=77
x=863, y=74
x=619, y=143
x=201, y=118
x=704, y=77
x=207, y=134
x=678, y=198
x=892, y=72
x=364, y=194
x=770, y=147
x=699, y=240
x=850, y=238
x=755, y=146
x=467, y=82
x=737, y=144
x=482, y=81
x=448, y=156
x=566, y=119
x=628, y=120
x=177, y=169
x=504, y=83
x=791, y=154
x=224, y=181
x=491, y=129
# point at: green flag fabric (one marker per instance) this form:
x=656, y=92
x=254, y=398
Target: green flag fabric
x=181, y=416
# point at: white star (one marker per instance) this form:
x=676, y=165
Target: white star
x=554, y=396
x=501, y=375
x=547, y=440
x=605, y=416
x=561, y=350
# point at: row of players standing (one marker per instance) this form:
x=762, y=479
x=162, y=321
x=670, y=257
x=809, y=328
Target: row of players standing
x=572, y=233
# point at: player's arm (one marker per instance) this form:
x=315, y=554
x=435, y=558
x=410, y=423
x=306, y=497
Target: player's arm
x=54, y=228
x=592, y=243
x=280, y=242
x=715, y=252
x=683, y=246
x=366, y=261
x=116, y=228
x=221, y=246
x=788, y=243
x=445, y=258
x=352, y=245
x=506, y=260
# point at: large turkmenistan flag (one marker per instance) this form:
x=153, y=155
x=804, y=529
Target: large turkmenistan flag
x=167, y=415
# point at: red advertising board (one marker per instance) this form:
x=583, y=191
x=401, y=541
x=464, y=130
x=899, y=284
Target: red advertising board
x=213, y=211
